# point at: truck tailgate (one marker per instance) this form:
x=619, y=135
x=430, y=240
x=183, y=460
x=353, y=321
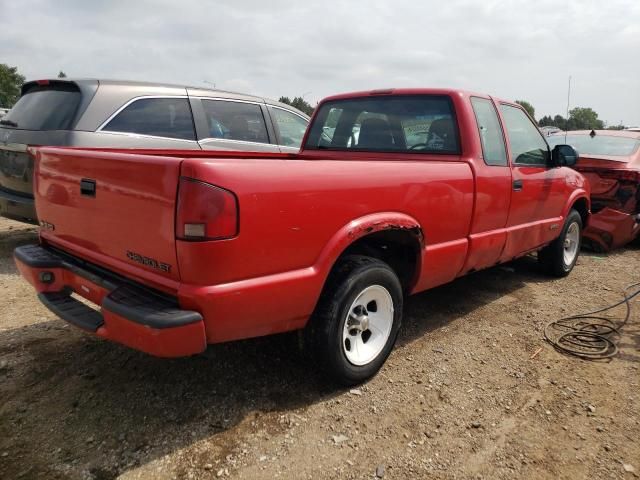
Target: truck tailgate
x=112, y=208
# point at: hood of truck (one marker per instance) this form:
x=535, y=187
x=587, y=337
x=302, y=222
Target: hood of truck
x=113, y=209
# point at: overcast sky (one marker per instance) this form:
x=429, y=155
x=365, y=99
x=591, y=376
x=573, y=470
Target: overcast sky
x=511, y=49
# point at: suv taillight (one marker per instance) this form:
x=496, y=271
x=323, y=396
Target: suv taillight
x=205, y=212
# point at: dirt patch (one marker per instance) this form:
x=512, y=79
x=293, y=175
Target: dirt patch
x=458, y=398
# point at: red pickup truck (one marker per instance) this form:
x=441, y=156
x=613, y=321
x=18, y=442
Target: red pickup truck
x=393, y=192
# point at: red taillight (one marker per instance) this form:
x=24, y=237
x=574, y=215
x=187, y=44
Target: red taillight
x=205, y=212
x=42, y=82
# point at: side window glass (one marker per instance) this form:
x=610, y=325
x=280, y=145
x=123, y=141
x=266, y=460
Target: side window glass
x=493, y=149
x=290, y=126
x=527, y=144
x=160, y=117
x=235, y=121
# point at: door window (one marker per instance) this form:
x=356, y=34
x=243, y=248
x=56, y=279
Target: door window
x=493, y=149
x=291, y=127
x=527, y=144
x=160, y=117
x=235, y=121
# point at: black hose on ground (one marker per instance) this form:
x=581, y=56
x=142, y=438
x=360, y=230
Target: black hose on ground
x=588, y=335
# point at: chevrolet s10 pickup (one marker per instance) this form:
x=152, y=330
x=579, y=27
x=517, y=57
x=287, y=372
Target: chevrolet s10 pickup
x=393, y=192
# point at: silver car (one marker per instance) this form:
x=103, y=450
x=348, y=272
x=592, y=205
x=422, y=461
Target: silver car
x=123, y=114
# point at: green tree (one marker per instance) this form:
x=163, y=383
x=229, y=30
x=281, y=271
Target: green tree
x=546, y=121
x=560, y=122
x=584, y=119
x=528, y=107
x=61, y=74
x=299, y=103
x=10, y=83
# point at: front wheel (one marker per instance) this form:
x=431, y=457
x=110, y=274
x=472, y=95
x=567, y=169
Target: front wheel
x=560, y=256
x=357, y=319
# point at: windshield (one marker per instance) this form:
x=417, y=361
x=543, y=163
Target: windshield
x=598, y=145
x=44, y=107
x=417, y=123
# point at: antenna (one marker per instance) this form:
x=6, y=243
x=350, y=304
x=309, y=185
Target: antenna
x=567, y=117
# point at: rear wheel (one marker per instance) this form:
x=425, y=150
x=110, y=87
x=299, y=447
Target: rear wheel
x=560, y=256
x=357, y=319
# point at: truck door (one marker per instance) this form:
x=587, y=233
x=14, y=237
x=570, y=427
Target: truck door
x=537, y=201
x=488, y=236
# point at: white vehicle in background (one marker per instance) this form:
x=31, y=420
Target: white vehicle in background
x=632, y=129
x=3, y=111
x=546, y=131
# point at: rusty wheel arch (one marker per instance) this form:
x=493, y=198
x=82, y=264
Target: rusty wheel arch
x=399, y=246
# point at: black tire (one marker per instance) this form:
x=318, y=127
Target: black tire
x=551, y=257
x=323, y=335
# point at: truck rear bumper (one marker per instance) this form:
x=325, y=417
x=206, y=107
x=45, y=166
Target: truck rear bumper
x=129, y=314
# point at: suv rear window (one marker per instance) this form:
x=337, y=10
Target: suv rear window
x=408, y=123
x=45, y=107
x=159, y=117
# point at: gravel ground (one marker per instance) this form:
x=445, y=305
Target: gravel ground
x=460, y=396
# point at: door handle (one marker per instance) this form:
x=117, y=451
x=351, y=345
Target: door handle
x=88, y=187
x=517, y=185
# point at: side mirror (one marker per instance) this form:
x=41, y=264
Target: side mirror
x=564, y=156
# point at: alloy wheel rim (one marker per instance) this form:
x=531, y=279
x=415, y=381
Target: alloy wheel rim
x=571, y=243
x=368, y=325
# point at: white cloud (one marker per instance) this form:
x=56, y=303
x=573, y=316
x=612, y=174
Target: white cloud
x=512, y=49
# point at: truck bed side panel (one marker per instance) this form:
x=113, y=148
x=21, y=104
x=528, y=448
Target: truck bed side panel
x=268, y=278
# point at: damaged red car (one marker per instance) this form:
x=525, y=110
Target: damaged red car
x=610, y=160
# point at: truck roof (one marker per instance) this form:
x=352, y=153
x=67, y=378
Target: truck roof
x=409, y=91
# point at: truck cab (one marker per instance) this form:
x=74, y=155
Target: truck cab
x=522, y=187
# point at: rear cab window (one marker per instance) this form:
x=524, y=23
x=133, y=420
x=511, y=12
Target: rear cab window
x=168, y=117
x=231, y=120
x=396, y=123
x=46, y=106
